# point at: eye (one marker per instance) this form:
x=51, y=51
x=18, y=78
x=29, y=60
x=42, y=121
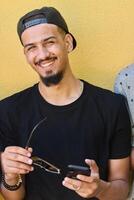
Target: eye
x=50, y=42
x=30, y=48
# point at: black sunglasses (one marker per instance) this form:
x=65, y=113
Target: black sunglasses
x=37, y=161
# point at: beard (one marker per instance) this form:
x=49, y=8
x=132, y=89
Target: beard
x=52, y=79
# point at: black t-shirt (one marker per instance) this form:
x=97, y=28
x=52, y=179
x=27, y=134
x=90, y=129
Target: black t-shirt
x=95, y=126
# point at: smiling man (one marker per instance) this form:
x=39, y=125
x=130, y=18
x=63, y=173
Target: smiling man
x=46, y=51
x=61, y=121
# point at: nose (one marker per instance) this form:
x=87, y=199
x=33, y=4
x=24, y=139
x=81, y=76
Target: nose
x=43, y=53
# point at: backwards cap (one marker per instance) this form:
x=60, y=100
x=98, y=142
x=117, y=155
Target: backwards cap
x=48, y=15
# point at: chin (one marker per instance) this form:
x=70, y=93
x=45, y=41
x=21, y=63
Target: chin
x=53, y=79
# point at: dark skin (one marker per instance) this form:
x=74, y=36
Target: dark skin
x=132, y=158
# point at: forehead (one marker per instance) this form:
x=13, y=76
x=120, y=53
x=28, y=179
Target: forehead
x=39, y=32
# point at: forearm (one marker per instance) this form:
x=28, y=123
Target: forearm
x=114, y=190
x=13, y=195
x=18, y=194
x=132, y=158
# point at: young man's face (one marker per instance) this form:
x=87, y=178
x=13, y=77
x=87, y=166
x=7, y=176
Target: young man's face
x=46, y=49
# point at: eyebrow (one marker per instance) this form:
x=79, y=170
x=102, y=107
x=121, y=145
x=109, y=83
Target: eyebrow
x=44, y=40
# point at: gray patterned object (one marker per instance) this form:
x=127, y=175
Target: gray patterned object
x=124, y=84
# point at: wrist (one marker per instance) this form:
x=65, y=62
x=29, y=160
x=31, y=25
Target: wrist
x=103, y=188
x=11, y=182
x=11, y=179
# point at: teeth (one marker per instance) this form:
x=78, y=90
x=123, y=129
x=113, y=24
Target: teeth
x=46, y=64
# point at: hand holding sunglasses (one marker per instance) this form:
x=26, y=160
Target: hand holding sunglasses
x=72, y=170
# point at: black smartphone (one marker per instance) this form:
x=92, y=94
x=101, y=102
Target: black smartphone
x=74, y=170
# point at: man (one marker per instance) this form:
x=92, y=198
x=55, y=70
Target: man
x=124, y=84
x=64, y=121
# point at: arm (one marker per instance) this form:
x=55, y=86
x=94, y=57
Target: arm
x=15, y=161
x=132, y=158
x=92, y=186
x=117, y=188
x=13, y=195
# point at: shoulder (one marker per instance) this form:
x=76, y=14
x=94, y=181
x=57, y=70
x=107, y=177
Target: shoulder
x=18, y=99
x=104, y=97
x=124, y=80
x=111, y=106
x=125, y=73
x=102, y=93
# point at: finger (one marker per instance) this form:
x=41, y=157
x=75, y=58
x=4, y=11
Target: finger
x=14, y=170
x=19, y=165
x=30, y=149
x=72, y=184
x=93, y=167
x=19, y=150
x=87, y=179
x=19, y=158
x=84, y=178
x=69, y=186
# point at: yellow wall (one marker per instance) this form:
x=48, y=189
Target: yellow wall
x=104, y=30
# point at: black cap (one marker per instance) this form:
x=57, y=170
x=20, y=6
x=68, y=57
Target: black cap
x=47, y=15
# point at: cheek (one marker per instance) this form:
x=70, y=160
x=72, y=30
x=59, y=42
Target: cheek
x=58, y=49
x=30, y=58
x=62, y=55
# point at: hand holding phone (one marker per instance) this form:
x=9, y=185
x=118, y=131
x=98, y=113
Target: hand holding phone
x=74, y=170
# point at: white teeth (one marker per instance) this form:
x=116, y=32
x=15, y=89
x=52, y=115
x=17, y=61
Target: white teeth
x=45, y=64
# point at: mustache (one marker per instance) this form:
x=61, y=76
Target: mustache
x=46, y=59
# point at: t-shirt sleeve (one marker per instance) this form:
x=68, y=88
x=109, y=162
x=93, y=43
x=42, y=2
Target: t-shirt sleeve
x=121, y=138
x=7, y=130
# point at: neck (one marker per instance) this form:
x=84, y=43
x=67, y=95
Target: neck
x=66, y=92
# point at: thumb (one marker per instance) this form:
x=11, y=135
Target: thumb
x=93, y=167
x=30, y=149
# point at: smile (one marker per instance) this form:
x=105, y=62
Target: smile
x=48, y=63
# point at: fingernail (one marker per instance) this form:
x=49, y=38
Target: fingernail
x=32, y=168
x=30, y=149
x=66, y=178
x=29, y=154
x=78, y=176
x=30, y=161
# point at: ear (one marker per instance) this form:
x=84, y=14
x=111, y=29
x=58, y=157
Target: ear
x=69, y=42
